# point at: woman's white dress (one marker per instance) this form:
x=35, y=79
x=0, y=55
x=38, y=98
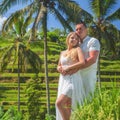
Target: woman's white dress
x=70, y=85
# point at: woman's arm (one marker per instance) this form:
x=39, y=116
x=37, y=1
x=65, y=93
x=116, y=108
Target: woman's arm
x=59, y=66
x=81, y=61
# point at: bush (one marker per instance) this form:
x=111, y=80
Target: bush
x=33, y=103
x=10, y=114
x=49, y=117
x=104, y=106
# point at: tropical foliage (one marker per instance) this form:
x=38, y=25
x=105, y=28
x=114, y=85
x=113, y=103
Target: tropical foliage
x=34, y=92
x=10, y=114
x=36, y=13
x=101, y=24
x=39, y=11
x=18, y=53
x=104, y=106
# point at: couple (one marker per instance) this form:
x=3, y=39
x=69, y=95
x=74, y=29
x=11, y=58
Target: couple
x=77, y=66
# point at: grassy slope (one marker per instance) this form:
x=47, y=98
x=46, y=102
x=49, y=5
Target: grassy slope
x=8, y=81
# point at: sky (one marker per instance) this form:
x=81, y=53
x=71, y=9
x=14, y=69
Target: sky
x=84, y=4
x=52, y=22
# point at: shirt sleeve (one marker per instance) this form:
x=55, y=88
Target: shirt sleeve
x=94, y=44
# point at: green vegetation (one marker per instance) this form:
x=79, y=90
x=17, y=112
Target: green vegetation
x=110, y=71
x=104, y=106
x=34, y=93
x=10, y=114
x=100, y=26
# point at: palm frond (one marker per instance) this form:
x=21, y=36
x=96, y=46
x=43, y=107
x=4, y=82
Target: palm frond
x=102, y=9
x=108, y=6
x=113, y=31
x=114, y=16
x=34, y=63
x=28, y=20
x=110, y=36
x=96, y=7
x=110, y=42
x=26, y=58
x=64, y=4
x=62, y=20
x=6, y=58
x=7, y=4
x=14, y=18
x=71, y=9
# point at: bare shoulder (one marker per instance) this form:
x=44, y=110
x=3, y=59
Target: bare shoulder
x=78, y=49
x=63, y=52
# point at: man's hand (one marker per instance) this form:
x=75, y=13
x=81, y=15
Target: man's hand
x=66, y=71
x=70, y=72
x=61, y=70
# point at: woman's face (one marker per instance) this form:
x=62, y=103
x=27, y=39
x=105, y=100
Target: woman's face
x=73, y=41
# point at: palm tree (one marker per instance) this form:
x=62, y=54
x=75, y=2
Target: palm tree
x=18, y=53
x=101, y=22
x=101, y=25
x=61, y=9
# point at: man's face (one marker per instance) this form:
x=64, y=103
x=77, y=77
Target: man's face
x=81, y=30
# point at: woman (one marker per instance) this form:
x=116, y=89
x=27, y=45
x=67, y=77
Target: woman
x=70, y=88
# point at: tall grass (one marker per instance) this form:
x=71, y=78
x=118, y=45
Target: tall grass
x=105, y=105
x=10, y=114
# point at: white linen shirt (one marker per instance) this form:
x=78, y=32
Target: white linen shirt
x=90, y=44
x=89, y=74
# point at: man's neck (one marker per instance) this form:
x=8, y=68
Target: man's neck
x=83, y=38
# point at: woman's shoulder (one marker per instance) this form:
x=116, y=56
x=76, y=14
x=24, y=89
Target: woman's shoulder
x=78, y=48
x=63, y=52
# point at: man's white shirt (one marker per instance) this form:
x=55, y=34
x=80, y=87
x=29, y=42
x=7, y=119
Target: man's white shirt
x=90, y=44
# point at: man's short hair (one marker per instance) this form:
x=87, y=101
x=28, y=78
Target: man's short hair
x=81, y=22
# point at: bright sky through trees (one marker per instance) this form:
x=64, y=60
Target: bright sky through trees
x=52, y=22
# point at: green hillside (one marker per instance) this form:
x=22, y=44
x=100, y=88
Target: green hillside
x=110, y=71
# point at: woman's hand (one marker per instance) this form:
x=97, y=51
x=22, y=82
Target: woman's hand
x=62, y=70
x=59, y=69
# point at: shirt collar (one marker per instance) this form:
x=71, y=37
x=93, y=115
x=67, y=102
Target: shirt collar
x=86, y=38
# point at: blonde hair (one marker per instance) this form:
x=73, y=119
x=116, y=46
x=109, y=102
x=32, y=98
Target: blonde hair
x=72, y=54
x=69, y=35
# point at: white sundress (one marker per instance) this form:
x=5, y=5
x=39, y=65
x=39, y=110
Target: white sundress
x=70, y=85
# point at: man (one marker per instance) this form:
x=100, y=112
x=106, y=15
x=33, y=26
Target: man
x=91, y=50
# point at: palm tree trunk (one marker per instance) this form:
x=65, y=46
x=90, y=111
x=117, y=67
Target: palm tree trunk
x=18, y=81
x=45, y=62
x=40, y=15
x=99, y=75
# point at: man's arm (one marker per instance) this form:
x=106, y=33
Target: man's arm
x=93, y=55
